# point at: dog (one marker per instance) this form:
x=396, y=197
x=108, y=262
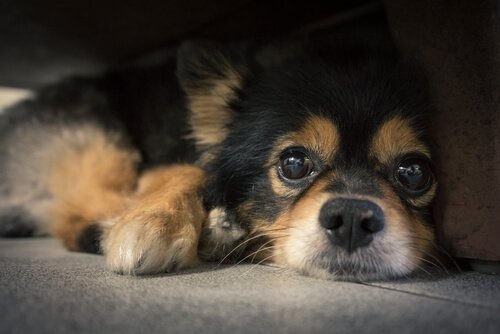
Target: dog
x=311, y=160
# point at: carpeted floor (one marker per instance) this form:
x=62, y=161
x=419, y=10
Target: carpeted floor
x=45, y=289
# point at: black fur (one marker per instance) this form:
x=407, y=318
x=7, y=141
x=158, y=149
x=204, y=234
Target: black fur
x=358, y=96
x=132, y=100
x=143, y=103
x=357, y=91
x=89, y=240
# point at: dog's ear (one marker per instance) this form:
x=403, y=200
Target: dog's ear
x=211, y=76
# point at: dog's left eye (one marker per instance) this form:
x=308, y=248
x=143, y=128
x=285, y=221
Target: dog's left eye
x=414, y=175
x=295, y=164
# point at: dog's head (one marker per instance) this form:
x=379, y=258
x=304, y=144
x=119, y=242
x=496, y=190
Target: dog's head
x=325, y=165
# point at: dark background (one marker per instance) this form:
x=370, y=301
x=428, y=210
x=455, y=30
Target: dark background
x=41, y=41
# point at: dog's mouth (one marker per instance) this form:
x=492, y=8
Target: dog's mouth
x=356, y=238
x=352, y=239
x=366, y=264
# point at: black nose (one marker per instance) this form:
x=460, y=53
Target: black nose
x=351, y=223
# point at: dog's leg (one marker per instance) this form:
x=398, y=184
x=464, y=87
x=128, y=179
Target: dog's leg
x=90, y=182
x=160, y=231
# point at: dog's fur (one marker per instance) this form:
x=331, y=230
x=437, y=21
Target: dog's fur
x=166, y=168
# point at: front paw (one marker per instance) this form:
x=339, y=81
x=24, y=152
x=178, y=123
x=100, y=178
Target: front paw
x=221, y=237
x=150, y=241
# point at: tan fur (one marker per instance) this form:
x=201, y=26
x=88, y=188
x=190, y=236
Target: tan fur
x=279, y=188
x=210, y=112
x=280, y=230
x=300, y=236
x=396, y=137
x=426, y=198
x=318, y=135
x=403, y=224
x=90, y=182
x=298, y=239
x=160, y=231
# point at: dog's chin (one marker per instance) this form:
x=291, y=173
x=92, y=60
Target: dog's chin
x=374, y=263
x=352, y=270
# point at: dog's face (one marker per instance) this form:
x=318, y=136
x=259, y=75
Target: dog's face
x=325, y=166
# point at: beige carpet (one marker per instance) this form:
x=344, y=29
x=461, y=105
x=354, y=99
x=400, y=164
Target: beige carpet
x=45, y=289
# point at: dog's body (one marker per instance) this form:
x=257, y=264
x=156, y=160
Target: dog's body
x=313, y=163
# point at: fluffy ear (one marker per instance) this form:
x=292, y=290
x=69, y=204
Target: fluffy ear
x=211, y=75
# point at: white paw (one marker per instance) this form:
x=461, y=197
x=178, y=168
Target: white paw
x=149, y=244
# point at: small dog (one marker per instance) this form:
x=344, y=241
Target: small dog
x=310, y=160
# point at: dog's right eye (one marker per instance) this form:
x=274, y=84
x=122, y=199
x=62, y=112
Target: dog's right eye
x=295, y=164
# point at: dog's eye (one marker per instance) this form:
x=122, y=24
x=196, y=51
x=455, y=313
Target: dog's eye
x=295, y=164
x=414, y=175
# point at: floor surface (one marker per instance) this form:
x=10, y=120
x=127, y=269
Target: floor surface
x=45, y=289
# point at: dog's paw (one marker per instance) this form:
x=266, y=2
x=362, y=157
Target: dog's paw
x=221, y=237
x=150, y=241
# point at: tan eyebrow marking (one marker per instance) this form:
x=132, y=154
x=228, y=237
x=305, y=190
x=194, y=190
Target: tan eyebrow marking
x=319, y=135
x=395, y=137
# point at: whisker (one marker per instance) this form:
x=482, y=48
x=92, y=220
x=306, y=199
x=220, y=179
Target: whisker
x=246, y=241
x=441, y=265
x=260, y=248
x=255, y=265
x=255, y=254
x=441, y=250
x=420, y=267
x=416, y=265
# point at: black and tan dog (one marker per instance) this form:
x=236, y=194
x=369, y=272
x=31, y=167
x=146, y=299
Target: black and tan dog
x=314, y=162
